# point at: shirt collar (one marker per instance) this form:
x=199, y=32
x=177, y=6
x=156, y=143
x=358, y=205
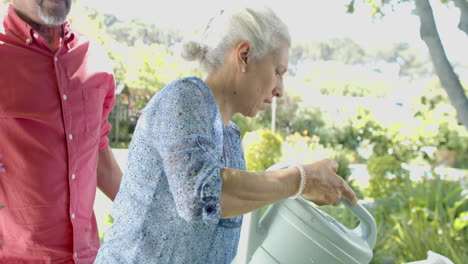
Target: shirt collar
x=12, y=22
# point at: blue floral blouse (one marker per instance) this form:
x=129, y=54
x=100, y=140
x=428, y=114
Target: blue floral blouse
x=167, y=208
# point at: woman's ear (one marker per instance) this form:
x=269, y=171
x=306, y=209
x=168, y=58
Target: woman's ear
x=243, y=52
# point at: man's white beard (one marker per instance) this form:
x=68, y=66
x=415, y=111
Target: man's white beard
x=51, y=20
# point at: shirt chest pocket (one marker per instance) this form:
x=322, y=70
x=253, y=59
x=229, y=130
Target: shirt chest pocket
x=87, y=101
x=93, y=101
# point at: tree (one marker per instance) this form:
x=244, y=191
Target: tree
x=412, y=64
x=463, y=6
x=132, y=31
x=336, y=49
x=429, y=34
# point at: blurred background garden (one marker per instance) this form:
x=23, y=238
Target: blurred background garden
x=361, y=88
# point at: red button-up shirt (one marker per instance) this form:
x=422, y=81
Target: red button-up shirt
x=53, y=122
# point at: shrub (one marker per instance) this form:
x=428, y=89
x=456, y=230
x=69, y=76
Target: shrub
x=343, y=164
x=302, y=148
x=248, y=124
x=310, y=119
x=262, y=149
x=286, y=114
x=386, y=173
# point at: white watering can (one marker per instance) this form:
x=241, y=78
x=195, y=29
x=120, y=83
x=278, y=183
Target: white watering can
x=296, y=232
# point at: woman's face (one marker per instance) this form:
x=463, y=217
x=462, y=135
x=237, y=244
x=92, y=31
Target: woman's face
x=263, y=81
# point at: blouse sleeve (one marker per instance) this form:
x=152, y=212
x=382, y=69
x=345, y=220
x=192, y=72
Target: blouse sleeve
x=184, y=129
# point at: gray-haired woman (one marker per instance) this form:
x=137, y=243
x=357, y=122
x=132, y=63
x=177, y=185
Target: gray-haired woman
x=185, y=189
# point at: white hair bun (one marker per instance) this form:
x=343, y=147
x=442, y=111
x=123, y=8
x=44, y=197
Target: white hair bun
x=193, y=50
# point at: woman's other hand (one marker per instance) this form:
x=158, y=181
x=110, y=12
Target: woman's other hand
x=323, y=186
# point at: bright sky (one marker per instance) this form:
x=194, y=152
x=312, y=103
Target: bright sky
x=307, y=20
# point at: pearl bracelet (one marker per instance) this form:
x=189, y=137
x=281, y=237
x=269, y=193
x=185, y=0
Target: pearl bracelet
x=302, y=183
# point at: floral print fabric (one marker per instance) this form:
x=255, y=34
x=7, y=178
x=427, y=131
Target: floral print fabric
x=167, y=208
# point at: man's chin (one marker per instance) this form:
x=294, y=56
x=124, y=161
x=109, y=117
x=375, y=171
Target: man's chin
x=53, y=14
x=53, y=21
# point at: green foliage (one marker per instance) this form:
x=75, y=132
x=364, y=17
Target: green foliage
x=286, y=109
x=302, y=148
x=135, y=30
x=309, y=119
x=412, y=63
x=359, y=127
x=344, y=50
x=386, y=173
x=379, y=166
x=262, y=149
x=119, y=145
x=342, y=215
x=421, y=216
x=339, y=79
x=109, y=221
x=142, y=54
x=461, y=222
x=89, y=21
x=378, y=7
x=249, y=124
x=343, y=164
x=148, y=68
x=288, y=115
x=391, y=140
x=437, y=126
x=350, y=132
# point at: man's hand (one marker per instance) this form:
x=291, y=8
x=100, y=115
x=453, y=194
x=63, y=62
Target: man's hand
x=2, y=167
x=324, y=186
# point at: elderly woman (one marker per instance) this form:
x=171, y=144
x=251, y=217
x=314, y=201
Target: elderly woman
x=185, y=189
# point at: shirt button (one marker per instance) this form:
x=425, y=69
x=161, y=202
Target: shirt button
x=73, y=176
x=65, y=97
x=35, y=35
x=73, y=216
x=28, y=40
x=55, y=59
x=75, y=255
x=70, y=136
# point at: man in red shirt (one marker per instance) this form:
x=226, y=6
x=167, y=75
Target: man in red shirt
x=56, y=91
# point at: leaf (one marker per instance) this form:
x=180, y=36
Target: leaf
x=461, y=222
x=350, y=7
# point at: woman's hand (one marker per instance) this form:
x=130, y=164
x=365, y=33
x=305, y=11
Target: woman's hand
x=323, y=186
x=2, y=168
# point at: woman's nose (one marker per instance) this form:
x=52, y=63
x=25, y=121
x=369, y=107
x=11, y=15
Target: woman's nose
x=279, y=89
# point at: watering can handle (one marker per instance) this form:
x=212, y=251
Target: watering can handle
x=367, y=228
